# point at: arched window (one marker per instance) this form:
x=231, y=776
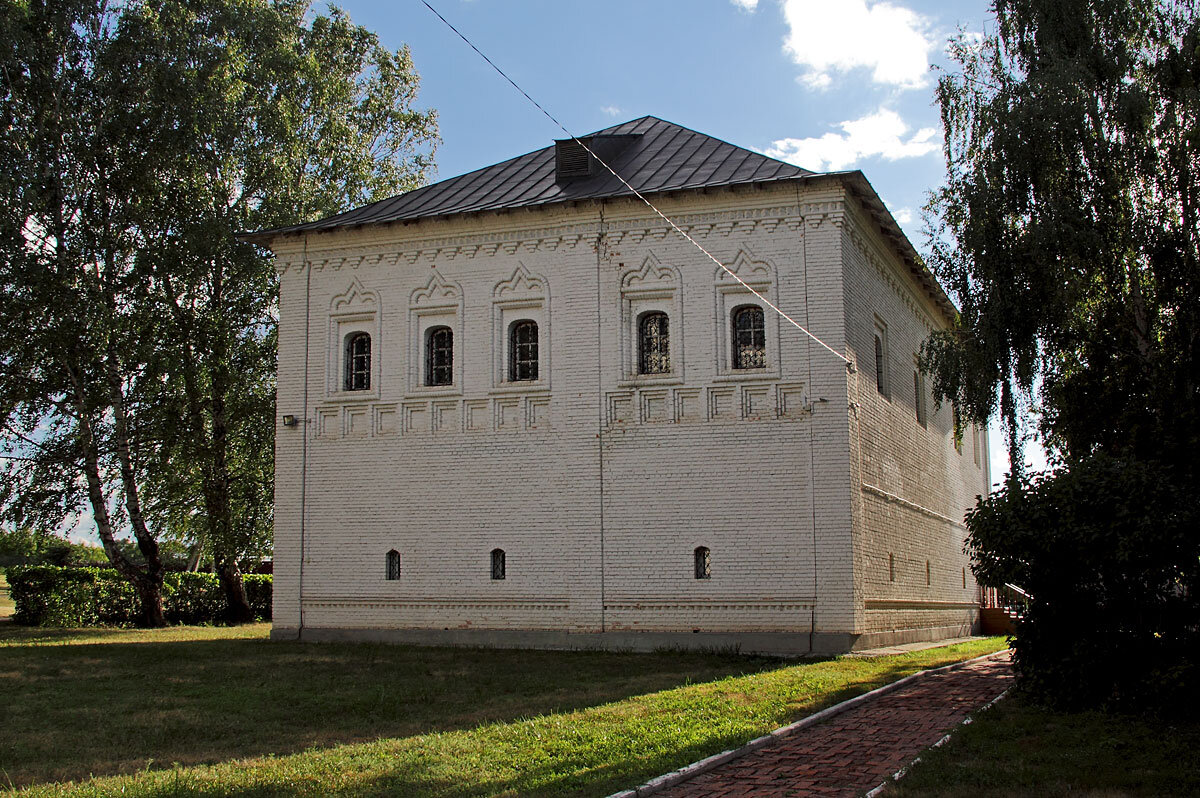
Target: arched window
x=523, y=351
x=439, y=356
x=703, y=562
x=919, y=397
x=654, y=344
x=358, y=362
x=498, y=563
x=749, y=338
x=393, y=564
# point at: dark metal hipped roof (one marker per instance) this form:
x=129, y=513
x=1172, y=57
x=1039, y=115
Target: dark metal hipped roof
x=663, y=157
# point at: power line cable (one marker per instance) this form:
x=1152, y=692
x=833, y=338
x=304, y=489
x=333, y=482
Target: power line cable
x=638, y=194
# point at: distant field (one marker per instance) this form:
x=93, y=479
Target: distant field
x=210, y=711
x=6, y=604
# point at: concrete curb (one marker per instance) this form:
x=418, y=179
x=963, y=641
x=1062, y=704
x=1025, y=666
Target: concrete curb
x=902, y=772
x=716, y=760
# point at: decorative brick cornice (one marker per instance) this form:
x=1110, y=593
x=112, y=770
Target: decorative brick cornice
x=378, y=251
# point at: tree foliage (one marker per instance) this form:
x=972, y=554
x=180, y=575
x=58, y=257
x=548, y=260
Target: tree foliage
x=1069, y=227
x=1069, y=233
x=137, y=368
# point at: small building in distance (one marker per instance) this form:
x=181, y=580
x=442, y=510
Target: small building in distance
x=516, y=408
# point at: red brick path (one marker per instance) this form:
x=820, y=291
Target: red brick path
x=856, y=750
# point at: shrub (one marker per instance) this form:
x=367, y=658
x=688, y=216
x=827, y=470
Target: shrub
x=47, y=595
x=1110, y=551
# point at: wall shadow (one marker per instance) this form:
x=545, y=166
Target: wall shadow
x=106, y=708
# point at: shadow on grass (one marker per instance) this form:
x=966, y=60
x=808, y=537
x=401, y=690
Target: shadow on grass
x=106, y=708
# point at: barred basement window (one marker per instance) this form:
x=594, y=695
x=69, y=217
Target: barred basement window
x=498, y=564
x=439, y=356
x=928, y=575
x=523, y=351
x=749, y=338
x=703, y=562
x=393, y=564
x=654, y=344
x=358, y=362
x=964, y=578
x=891, y=568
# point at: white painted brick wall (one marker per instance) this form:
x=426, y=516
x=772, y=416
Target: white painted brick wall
x=777, y=498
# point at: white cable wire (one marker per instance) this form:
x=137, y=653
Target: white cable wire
x=638, y=194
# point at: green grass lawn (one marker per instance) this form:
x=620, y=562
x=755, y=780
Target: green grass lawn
x=212, y=711
x=1015, y=749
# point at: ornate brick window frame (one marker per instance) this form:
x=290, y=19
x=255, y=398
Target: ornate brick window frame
x=523, y=296
x=438, y=303
x=651, y=288
x=731, y=296
x=353, y=312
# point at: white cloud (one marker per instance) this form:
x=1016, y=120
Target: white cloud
x=892, y=41
x=881, y=134
x=903, y=215
x=745, y=5
x=611, y=110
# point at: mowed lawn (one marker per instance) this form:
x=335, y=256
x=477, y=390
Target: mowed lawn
x=1017, y=749
x=215, y=711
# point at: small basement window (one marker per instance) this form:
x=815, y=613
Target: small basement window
x=498, y=564
x=702, y=562
x=393, y=564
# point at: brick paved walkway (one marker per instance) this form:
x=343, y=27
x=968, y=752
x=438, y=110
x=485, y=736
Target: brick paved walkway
x=856, y=750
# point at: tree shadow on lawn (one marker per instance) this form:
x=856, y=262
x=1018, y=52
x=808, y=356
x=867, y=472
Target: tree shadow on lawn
x=111, y=708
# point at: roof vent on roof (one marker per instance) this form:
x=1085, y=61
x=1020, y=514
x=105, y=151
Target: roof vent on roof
x=572, y=159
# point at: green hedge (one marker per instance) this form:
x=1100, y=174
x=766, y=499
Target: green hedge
x=46, y=595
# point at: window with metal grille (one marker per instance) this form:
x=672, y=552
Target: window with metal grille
x=498, y=564
x=654, y=344
x=523, y=351
x=703, y=562
x=749, y=338
x=393, y=564
x=358, y=362
x=439, y=356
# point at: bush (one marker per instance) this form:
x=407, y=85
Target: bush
x=47, y=595
x=1110, y=551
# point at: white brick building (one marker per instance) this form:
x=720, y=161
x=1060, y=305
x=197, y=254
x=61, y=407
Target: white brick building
x=515, y=408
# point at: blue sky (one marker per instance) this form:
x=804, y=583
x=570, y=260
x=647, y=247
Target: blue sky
x=826, y=85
